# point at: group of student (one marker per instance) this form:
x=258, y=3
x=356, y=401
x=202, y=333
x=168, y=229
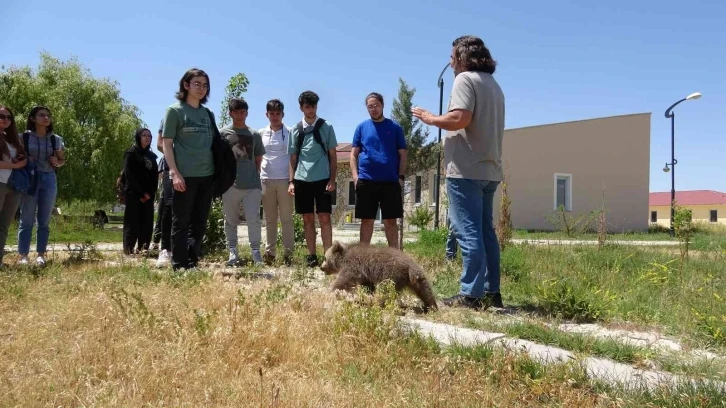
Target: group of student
x=281, y=168
x=37, y=152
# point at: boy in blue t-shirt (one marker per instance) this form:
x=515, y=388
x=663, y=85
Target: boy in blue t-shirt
x=378, y=167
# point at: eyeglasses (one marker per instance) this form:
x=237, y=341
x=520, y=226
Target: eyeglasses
x=9, y=118
x=198, y=84
x=376, y=106
x=44, y=115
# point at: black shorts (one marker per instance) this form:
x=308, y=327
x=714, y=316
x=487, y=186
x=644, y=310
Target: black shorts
x=310, y=196
x=371, y=194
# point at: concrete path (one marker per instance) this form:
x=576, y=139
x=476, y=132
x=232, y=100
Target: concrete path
x=617, y=374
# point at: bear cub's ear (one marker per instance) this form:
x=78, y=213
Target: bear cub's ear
x=338, y=248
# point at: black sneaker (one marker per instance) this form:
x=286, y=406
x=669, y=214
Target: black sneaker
x=464, y=301
x=312, y=261
x=288, y=259
x=493, y=300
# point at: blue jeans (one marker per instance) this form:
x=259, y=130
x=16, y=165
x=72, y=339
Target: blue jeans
x=471, y=206
x=41, y=203
x=451, y=245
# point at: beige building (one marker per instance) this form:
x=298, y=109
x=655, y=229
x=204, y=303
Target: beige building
x=572, y=164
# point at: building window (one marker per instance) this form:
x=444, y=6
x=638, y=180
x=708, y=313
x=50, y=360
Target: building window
x=417, y=191
x=351, y=193
x=654, y=216
x=563, y=191
x=713, y=216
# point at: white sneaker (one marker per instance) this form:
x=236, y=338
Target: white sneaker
x=24, y=260
x=164, y=259
x=233, y=258
x=256, y=256
x=40, y=261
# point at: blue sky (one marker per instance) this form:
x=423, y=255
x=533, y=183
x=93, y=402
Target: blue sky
x=558, y=60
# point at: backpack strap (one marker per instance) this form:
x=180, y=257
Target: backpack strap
x=316, y=136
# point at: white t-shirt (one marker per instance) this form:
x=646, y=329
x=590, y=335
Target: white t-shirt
x=5, y=173
x=275, y=162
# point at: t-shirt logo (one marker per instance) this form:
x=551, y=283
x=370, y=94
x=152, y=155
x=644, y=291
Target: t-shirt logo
x=243, y=149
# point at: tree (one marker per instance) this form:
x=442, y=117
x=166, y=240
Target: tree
x=421, y=154
x=236, y=86
x=96, y=123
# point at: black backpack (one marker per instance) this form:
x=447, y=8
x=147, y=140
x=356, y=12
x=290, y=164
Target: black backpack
x=316, y=136
x=26, y=141
x=225, y=163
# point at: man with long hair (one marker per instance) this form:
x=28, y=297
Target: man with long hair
x=188, y=131
x=473, y=165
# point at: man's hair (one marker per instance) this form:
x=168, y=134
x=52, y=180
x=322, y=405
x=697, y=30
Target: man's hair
x=275, y=105
x=470, y=54
x=308, y=98
x=376, y=96
x=237, y=104
x=182, y=93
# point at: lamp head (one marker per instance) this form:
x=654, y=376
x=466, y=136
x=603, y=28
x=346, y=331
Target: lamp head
x=693, y=96
x=666, y=169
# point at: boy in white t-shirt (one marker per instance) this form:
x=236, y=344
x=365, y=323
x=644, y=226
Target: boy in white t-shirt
x=274, y=174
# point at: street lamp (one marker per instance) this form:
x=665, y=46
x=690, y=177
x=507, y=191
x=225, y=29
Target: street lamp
x=670, y=114
x=438, y=155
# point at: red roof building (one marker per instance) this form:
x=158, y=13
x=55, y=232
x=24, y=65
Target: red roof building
x=693, y=197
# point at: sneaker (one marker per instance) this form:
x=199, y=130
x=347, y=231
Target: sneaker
x=268, y=258
x=40, y=261
x=164, y=259
x=24, y=260
x=464, y=301
x=233, y=258
x=312, y=261
x=256, y=256
x=288, y=259
x=493, y=300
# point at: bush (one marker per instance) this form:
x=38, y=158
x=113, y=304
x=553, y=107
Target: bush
x=214, y=241
x=420, y=217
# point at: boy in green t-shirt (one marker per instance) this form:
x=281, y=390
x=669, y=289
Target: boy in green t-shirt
x=247, y=189
x=187, y=133
x=313, y=180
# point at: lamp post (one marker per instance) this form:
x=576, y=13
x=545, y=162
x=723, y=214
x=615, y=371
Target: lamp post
x=438, y=155
x=672, y=164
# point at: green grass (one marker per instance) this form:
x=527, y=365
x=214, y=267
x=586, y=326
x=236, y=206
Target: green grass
x=706, y=237
x=63, y=231
x=642, y=285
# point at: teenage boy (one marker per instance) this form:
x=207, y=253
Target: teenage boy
x=275, y=173
x=378, y=168
x=313, y=167
x=188, y=132
x=247, y=190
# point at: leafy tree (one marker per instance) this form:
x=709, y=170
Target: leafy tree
x=421, y=154
x=96, y=123
x=236, y=86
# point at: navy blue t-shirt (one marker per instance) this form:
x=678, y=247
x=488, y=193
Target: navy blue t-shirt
x=379, y=142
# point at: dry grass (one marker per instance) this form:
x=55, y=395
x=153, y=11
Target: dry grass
x=87, y=336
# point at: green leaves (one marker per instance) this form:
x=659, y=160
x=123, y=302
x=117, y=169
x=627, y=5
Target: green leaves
x=236, y=86
x=95, y=122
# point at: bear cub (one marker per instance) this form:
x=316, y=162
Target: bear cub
x=366, y=265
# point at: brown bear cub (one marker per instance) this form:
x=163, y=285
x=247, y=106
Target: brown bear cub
x=367, y=265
